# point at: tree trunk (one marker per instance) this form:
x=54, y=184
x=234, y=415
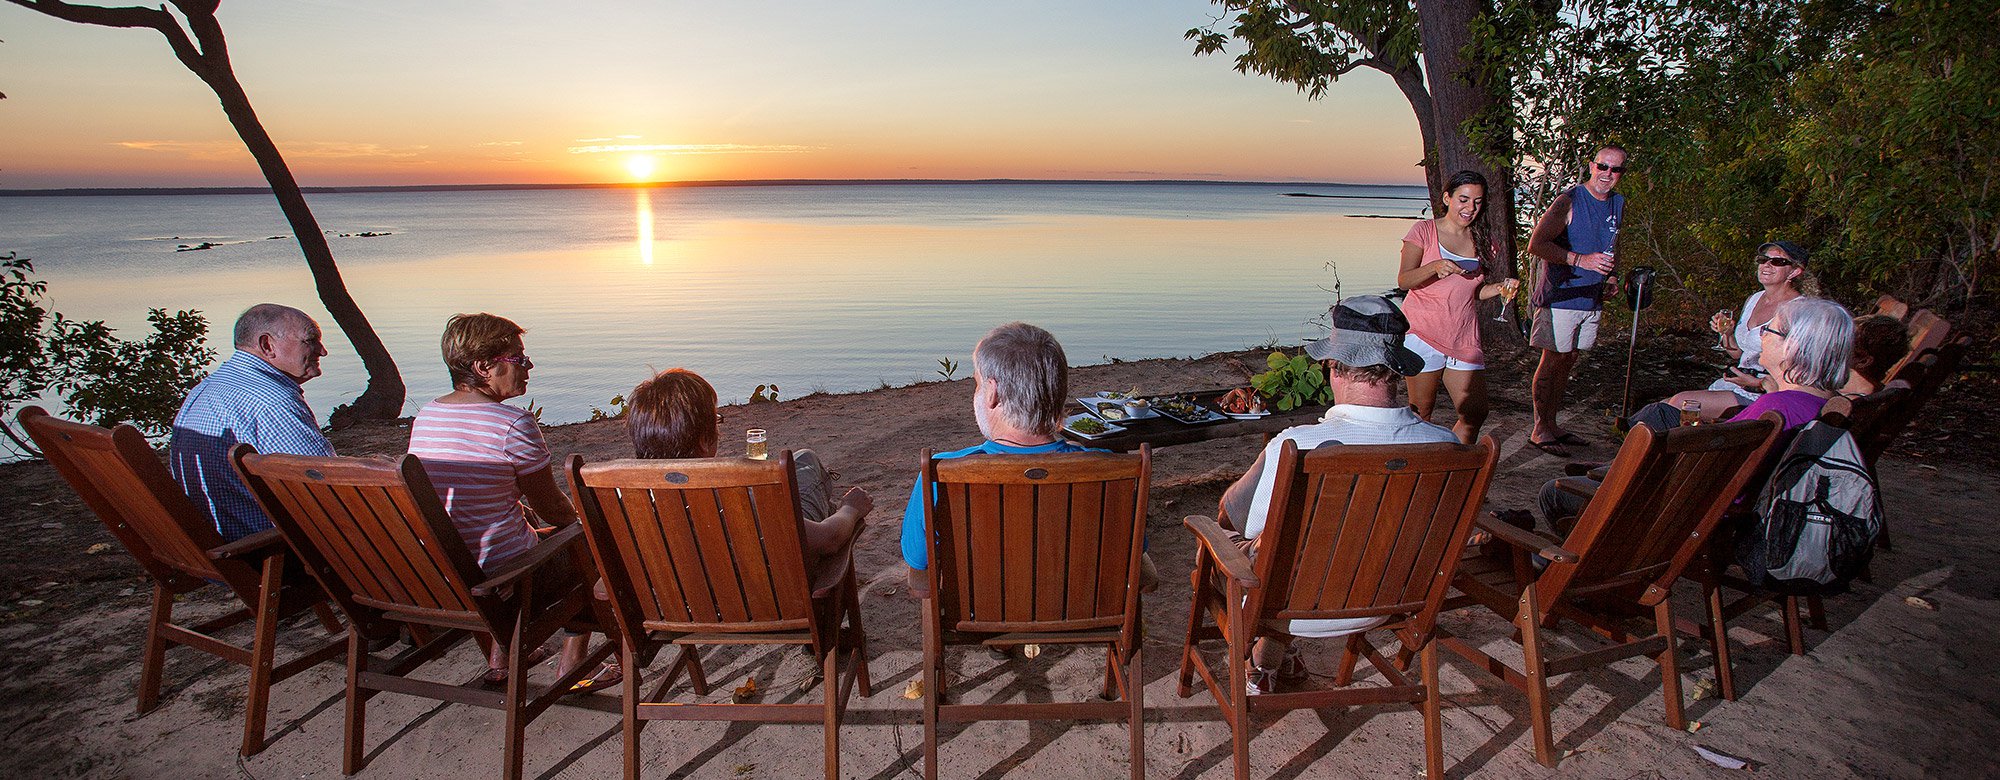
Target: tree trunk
x=1446, y=30
x=383, y=398
x=1410, y=79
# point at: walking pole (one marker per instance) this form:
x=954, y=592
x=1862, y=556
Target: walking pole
x=1639, y=298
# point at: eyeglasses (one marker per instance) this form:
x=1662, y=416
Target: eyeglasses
x=1781, y=262
x=1774, y=331
x=519, y=360
x=1611, y=168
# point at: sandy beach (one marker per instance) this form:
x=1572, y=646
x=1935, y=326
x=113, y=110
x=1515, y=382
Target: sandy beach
x=1898, y=688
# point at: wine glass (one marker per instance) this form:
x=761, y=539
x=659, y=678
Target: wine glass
x=1507, y=288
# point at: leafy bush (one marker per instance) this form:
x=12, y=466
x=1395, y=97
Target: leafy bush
x=1292, y=382
x=100, y=377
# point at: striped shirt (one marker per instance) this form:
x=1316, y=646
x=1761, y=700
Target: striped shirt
x=244, y=400
x=473, y=454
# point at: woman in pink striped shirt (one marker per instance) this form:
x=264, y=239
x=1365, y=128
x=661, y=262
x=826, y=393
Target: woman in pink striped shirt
x=487, y=458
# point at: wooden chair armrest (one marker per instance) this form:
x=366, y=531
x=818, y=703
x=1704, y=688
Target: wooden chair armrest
x=543, y=552
x=257, y=545
x=1223, y=549
x=1525, y=539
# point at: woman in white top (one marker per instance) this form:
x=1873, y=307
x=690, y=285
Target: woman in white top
x=1782, y=276
x=487, y=460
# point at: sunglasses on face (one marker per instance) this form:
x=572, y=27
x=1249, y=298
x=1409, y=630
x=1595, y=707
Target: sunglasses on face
x=1611, y=168
x=1781, y=262
x=519, y=360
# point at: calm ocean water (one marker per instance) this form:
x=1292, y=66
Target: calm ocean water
x=836, y=287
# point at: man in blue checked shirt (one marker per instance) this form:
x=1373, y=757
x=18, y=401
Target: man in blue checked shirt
x=253, y=398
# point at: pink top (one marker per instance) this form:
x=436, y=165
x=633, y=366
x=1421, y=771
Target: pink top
x=1441, y=311
x=473, y=453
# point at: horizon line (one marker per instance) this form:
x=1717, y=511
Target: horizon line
x=367, y=188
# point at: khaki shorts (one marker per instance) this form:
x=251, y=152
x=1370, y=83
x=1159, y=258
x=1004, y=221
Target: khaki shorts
x=1564, y=330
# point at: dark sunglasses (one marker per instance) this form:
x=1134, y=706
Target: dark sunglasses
x=1611, y=168
x=519, y=360
x=1781, y=262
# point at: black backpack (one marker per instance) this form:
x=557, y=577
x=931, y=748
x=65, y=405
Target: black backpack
x=1820, y=513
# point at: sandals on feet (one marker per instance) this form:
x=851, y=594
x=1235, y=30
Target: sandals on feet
x=606, y=676
x=1553, y=447
x=494, y=678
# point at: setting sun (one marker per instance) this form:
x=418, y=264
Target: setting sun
x=640, y=167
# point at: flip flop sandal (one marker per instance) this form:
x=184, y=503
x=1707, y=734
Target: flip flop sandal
x=495, y=678
x=1573, y=439
x=1555, y=447
x=606, y=676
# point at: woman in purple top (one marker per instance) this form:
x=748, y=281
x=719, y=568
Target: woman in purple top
x=1805, y=347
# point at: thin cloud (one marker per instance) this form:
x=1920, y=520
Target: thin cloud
x=498, y=143
x=309, y=150
x=694, y=148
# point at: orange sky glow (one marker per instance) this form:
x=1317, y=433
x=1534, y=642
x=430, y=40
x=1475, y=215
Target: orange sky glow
x=387, y=93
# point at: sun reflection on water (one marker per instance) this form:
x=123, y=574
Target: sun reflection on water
x=645, y=217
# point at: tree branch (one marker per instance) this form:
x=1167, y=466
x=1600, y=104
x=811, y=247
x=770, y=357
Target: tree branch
x=128, y=16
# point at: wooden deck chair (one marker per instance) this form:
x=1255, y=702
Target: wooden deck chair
x=377, y=537
x=1353, y=532
x=1036, y=549
x=121, y=479
x=1890, y=305
x=705, y=552
x=1928, y=332
x=1650, y=518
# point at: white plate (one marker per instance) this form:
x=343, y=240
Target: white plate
x=1093, y=404
x=1246, y=415
x=1109, y=428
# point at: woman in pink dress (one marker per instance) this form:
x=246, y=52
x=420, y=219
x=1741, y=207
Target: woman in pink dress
x=1448, y=267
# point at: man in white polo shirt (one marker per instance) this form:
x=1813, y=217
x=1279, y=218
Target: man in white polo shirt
x=1365, y=362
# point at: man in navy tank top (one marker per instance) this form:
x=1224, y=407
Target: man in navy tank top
x=1575, y=242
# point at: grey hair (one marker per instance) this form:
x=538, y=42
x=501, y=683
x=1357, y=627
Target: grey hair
x=1029, y=373
x=1819, y=339
x=265, y=318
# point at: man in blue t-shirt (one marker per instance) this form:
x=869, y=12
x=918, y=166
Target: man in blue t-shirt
x=1020, y=384
x=1575, y=241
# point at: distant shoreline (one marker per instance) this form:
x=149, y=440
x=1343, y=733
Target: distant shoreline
x=103, y=191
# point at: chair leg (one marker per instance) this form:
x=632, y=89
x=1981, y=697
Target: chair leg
x=832, y=690
x=696, y=679
x=327, y=619
x=352, y=758
x=1795, y=635
x=1240, y=643
x=1112, y=686
x=155, y=656
x=1135, y=691
x=262, y=648
x=1816, y=613
x=1433, y=714
x=517, y=689
x=1186, y=686
x=1718, y=630
x=634, y=678
x=860, y=636
x=1670, y=668
x=1528, y=624
x=933, y=656
x=1347, y=658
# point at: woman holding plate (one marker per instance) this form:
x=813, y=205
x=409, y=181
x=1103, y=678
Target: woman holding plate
x=1448, y=267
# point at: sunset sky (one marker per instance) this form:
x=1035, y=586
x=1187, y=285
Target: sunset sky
x=451, y=92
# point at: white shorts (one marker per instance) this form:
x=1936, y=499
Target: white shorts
x=1743, y=396
x=1435, y=360
x=1564, y=330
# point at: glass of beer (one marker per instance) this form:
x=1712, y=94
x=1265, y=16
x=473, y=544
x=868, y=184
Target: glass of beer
x=1690, y=413
x=754, y=446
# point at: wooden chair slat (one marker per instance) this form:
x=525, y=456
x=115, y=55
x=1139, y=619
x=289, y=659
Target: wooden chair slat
x=1124, y=509
x=742, y=522
x=1017, y=533
x=718, y=567
x=1054, y=525
x=980, y=523
x=1089, y=519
